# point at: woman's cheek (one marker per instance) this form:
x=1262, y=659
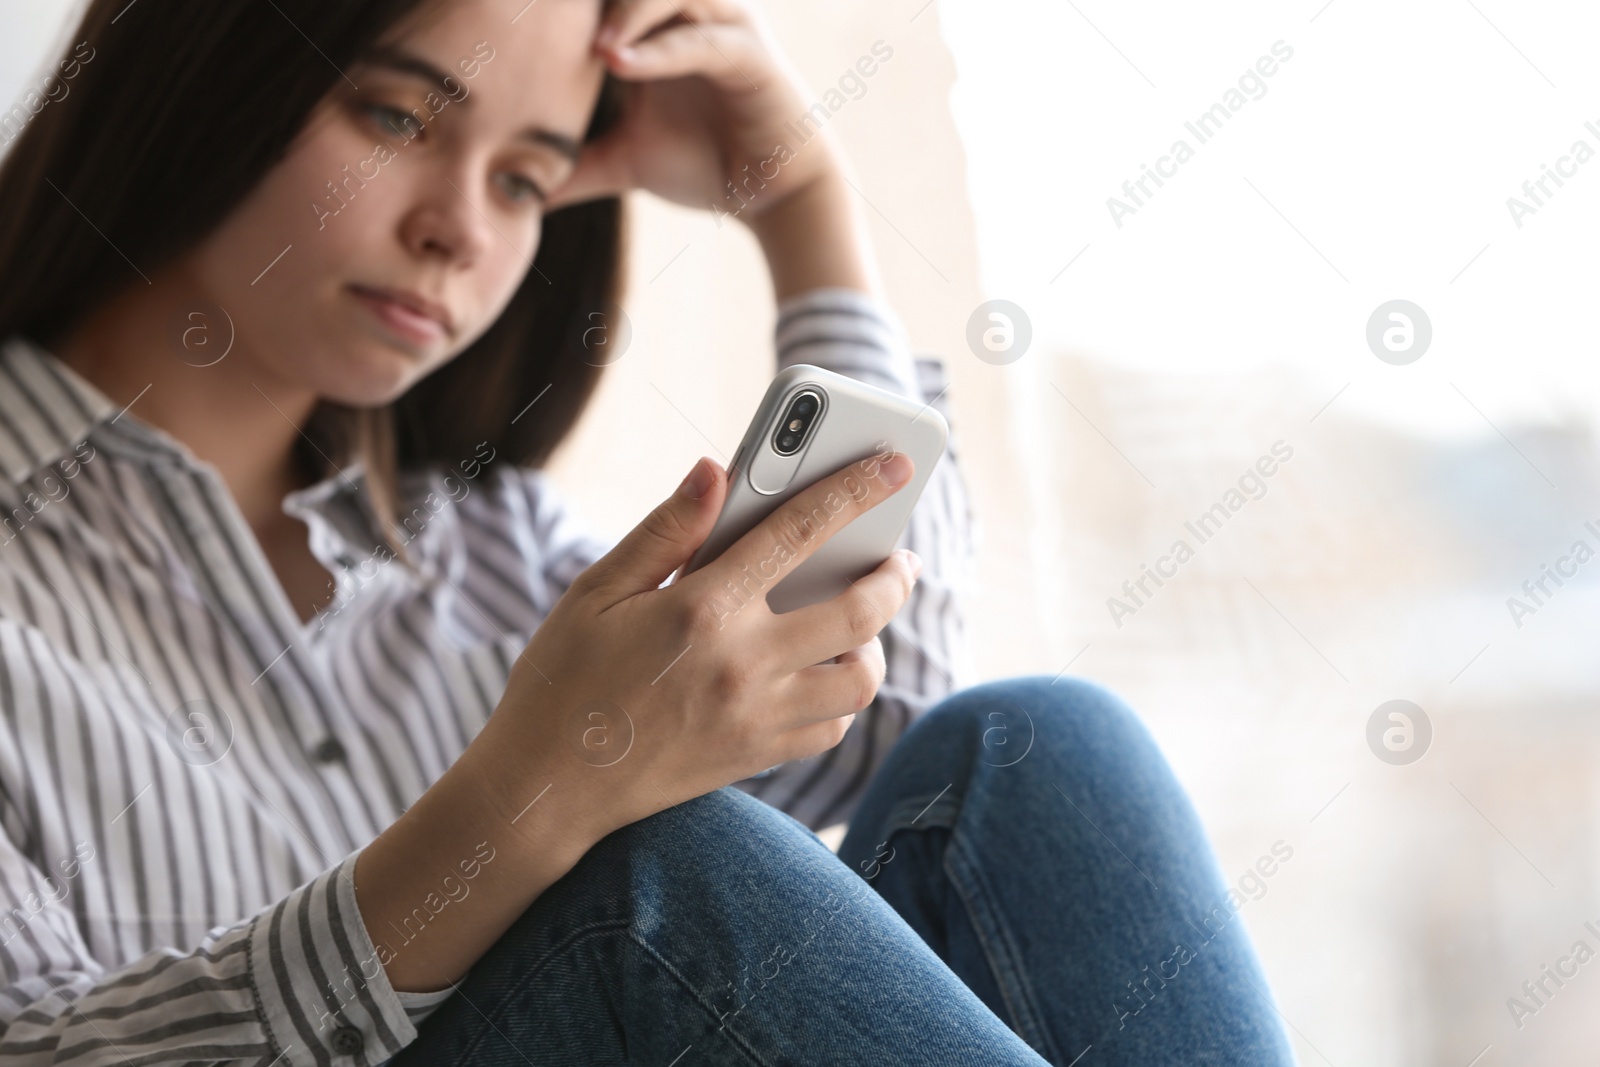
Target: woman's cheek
x=510, y=269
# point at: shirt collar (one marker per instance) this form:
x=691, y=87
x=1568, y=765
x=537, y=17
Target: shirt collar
x=46, y=408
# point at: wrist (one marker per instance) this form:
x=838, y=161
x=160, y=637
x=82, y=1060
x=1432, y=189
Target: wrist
x=462, y=835
x=539, y=792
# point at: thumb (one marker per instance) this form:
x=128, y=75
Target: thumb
x=667, y=537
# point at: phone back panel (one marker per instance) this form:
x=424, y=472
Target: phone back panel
x=857, y=421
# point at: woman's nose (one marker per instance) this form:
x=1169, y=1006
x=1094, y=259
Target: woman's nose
x=447, y=222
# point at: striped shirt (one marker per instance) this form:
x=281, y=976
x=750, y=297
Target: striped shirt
x=188, y=770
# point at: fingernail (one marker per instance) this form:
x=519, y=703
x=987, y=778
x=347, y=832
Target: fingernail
x=698, y=480
x=916, y=562
x=897, y=471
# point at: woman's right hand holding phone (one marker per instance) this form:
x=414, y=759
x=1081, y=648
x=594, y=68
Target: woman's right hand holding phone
x=635, y=696
x=632, y=697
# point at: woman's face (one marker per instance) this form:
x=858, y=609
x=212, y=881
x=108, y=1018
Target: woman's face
x=410, y=183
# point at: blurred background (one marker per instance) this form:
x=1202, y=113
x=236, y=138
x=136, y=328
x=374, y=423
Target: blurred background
x=1172, y=339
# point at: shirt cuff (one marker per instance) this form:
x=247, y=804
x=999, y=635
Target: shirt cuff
x=421, y=1005
x=319, y=980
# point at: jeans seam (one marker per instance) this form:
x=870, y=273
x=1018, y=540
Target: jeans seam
x=909, y=812
x=688, y=987
x=570, y=942
x=994, y=937
x=565, y=944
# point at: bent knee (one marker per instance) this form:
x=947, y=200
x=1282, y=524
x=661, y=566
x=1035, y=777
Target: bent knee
x=708, y=860
x=1066, y=720
x=712, y=816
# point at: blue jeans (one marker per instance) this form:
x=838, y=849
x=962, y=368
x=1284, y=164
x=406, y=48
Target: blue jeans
x=1024, y=883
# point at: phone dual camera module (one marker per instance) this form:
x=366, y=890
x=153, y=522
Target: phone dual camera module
x=797, y=421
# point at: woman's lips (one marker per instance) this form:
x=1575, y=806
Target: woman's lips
x=400, y=318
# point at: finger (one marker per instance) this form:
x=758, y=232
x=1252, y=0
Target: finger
x=712, y=50
x=817, y=632
x=808, y=741
x=800, y=525
x=827, y=691
x=628, y=20
x=677, y=575
x=603, y=169
x=665, y=540
x=836, y=693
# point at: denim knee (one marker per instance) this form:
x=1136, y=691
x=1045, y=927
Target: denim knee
x=738, y=922
x=681, y=855
x=1079, y=727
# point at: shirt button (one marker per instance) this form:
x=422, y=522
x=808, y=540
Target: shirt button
x=347, y=1041
x=329, y=750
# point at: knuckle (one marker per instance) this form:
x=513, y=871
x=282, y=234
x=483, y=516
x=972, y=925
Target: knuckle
x=786, y=544
x=841, y=727
x=908, y=581
x=732, y=676
x=702, y=616
x=866, y=687
x=587, y=581
x=800, y=523
x=863, y=685
x=874, y=657
x=820, y=510
x=664, y=523
x=861, y=618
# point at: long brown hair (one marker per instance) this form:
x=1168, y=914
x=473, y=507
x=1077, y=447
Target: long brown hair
x=173, y=112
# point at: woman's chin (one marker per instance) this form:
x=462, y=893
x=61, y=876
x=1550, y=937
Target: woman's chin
x=371, y=374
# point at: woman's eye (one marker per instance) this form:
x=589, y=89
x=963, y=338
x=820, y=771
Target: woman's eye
x=519, y=188
x=400, y=123
x=523, y=190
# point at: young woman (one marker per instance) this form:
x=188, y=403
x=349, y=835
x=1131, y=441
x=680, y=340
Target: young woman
x=327, y=735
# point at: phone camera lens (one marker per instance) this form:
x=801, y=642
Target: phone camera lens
x=797, y=422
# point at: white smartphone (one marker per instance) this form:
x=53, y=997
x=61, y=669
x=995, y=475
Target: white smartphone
x=810, y=423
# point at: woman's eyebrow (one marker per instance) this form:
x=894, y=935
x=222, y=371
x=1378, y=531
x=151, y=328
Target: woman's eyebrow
x=408, y=63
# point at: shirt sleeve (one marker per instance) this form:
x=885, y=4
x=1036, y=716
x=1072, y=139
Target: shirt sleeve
x=925, y=648
x=556, y=542
x=297, y=984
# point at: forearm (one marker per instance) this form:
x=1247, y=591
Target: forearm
x=817, y=236
x=434, y=855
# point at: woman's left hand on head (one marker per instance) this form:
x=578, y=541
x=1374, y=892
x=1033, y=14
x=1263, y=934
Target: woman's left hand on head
x=711, y=100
